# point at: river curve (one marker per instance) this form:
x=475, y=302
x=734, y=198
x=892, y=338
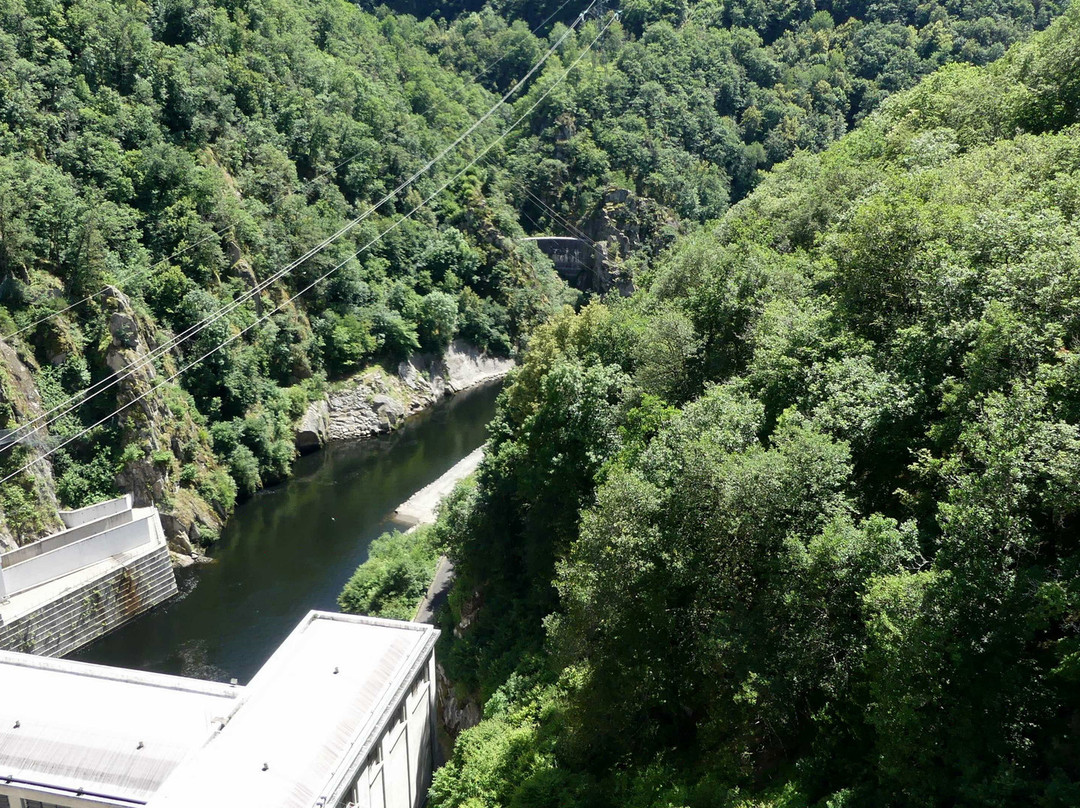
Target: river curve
x=292, y=547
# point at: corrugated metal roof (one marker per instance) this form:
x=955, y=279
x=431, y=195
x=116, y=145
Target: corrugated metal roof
x=75, y=726
x=312, y=709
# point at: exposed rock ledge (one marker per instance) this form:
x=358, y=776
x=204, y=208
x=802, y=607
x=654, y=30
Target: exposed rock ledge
x=376, y=401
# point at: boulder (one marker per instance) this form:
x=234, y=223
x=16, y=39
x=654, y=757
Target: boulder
x=389, y=410
x=314, y=428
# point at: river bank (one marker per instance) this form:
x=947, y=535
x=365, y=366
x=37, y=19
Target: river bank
x=422, y=507
x=375, y=401
x=293, y=547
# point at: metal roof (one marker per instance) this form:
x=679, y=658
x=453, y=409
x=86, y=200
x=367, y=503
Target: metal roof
x=102, y=731
x=291, y=737
x=313, y=710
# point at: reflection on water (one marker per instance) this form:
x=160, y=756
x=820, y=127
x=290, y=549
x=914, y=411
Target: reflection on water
x=291, y=548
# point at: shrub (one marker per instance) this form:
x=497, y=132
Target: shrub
x=162, y=457
x=219, y=489
x=244, y=468
x=132, y=453
x=83, y=484
x=394, y=577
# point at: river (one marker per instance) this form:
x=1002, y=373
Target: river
x=291, y=548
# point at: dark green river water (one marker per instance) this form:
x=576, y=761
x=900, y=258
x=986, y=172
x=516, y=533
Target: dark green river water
x=291, y=548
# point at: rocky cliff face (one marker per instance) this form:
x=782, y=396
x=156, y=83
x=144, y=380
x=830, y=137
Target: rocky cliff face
x=625, y=224
x=130, y=345
x=455, y=713
x=458, y=710
x=29, y=509
x=376, y=401
x=158, y=438
x=161, y=438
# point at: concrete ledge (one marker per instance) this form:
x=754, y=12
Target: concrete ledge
x=58, y=540
x=76, y=617
x=91, y=513
x=421, y=507
x=70, y=556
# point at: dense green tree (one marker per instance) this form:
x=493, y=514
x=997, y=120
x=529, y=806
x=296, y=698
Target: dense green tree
x=842, y=569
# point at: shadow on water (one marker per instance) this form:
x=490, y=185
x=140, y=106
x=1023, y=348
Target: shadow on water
x=291, y=548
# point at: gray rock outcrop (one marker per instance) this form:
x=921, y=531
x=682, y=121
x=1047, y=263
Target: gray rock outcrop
x=314, y=428
x=21, y=403
x=376, y=402
x=148, y=423
x=467, y=366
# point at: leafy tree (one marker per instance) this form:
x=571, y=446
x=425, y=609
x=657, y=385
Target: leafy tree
x=840, y=570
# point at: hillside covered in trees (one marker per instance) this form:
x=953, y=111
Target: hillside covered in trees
x=162, y=163
x=178, y=156
x=796, y=524
x=690, y=101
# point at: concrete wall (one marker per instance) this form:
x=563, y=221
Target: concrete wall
x=70, y=535
x=86, y=613
x=92, y=513
x=73, y=556
x=397, y=773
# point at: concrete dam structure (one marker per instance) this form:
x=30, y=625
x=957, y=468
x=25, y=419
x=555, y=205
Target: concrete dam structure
x=66, y=590
x=341, y=716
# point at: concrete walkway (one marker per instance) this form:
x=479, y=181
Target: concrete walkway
x=420, y=508
x=437, y=593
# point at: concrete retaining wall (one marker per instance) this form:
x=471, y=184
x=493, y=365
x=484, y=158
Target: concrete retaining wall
x=91, y=513
x=68, y=558
x=86, y=613
x=85, y=530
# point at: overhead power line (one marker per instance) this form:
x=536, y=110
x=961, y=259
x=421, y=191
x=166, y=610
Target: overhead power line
x=334, y=269
x=535, y=31
x=124, y=278
x=554, y=214
x=59, y=411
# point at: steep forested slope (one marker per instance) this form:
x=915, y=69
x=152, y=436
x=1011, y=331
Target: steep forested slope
x=183, y=153
x=177, y=153
x=690, y=101
x=797, y=523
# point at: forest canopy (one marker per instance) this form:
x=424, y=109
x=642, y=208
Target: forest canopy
x=163, y=161
x=796, y=523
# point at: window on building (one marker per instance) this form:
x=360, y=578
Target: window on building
x=375, y=758
x=419, y=682
x=35, y=804
x=4, y=802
